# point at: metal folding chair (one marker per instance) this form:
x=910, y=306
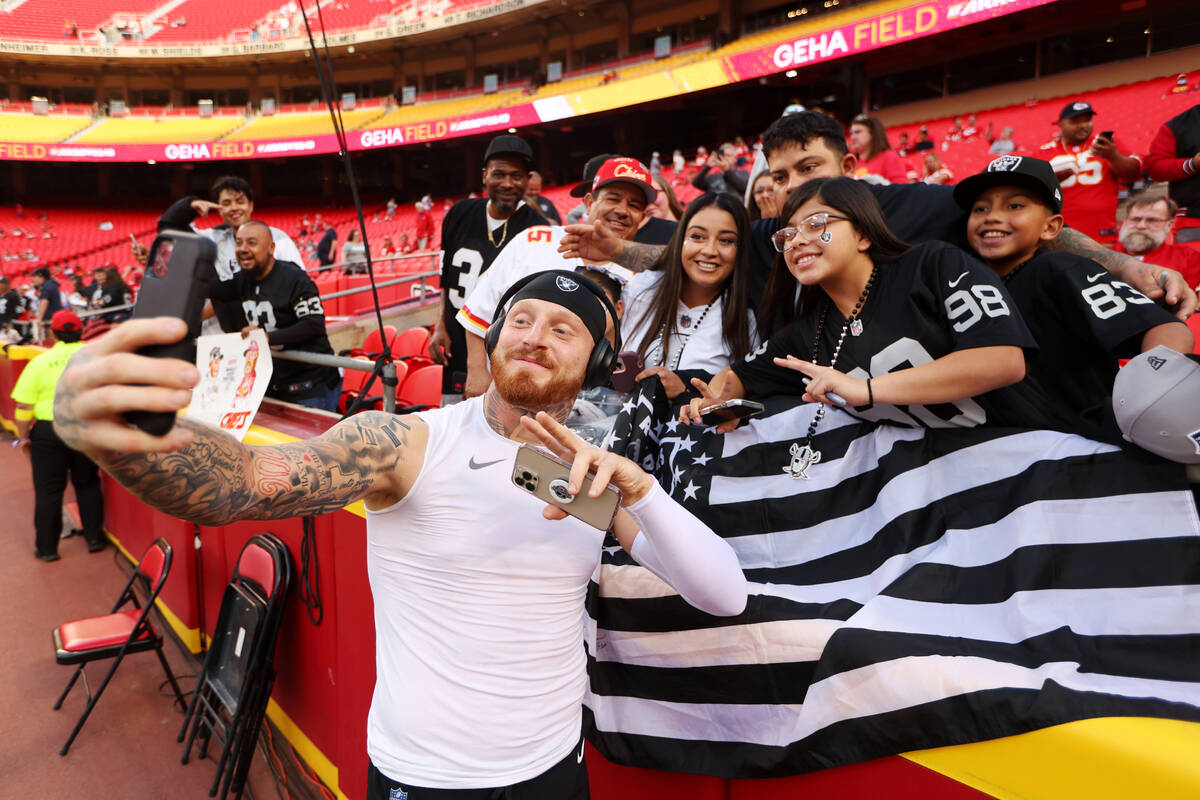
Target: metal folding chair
x=118, y=633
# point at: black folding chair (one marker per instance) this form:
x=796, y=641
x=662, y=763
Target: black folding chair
x=118, y=633
x=238, y=674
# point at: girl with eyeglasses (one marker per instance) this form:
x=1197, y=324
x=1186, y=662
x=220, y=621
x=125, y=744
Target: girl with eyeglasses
x=921, y=336
x=690, y=311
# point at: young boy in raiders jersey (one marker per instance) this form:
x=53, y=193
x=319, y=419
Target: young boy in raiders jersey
x=1082, y=317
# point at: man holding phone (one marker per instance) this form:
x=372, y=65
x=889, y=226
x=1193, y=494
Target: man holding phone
x=478, y=615
x=1090, y=171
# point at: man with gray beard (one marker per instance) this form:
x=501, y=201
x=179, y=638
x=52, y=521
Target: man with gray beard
x=1144, y=234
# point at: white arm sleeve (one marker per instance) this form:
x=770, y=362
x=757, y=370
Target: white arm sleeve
x=685, y=553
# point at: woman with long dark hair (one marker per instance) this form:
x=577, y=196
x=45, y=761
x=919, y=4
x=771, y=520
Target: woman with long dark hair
x=923, y=336
x=869, y=142
x=690, y=311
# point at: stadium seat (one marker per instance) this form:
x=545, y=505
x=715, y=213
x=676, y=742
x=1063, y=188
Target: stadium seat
x=421, y=390
x=118, y=633
x=413, y=343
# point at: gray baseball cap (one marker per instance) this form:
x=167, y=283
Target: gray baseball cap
x=1156, y=399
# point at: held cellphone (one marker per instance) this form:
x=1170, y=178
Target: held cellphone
x=730, y=409
x=624, y=378
x=1106, y=135
x=546, y=477
x=178, y=273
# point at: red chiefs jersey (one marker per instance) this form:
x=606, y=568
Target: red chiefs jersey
x=1090, y=195
x=1177, y=257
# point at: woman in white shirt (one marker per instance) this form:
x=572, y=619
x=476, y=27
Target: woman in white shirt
x=691, y=310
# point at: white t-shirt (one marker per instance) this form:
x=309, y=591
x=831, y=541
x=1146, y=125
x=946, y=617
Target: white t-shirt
x=534, y=250
x=479, y=617
x=700, y=339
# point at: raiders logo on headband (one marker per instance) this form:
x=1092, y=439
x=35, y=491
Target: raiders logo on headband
x=1005, y=164
x=566, y=284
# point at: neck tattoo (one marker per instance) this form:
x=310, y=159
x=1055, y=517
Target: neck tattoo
x=505, y=418
x=802, y=452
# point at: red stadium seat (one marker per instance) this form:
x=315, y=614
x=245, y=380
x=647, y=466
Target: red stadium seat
x=421, y=390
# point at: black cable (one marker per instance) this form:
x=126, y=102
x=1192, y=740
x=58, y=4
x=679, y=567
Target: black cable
x=329, y=92
x=310, y=585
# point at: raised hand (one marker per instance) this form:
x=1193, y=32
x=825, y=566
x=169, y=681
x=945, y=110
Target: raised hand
x=605, y=467
x=106, y=378
x=827, y=385
x=590, y=242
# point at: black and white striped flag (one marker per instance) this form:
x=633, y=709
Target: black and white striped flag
x=923, y=588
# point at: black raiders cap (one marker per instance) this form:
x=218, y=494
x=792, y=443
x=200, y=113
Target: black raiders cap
x=1030, y=173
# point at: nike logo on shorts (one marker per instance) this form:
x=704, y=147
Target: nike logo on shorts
x=1096, y=277
x=954, y=282
x=473, y=464
x=579, y=757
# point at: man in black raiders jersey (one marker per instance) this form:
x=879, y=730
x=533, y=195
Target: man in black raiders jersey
x=809, y=144
x=474, y=231
x=233, y=199
x=10, y=303
x=280, y=298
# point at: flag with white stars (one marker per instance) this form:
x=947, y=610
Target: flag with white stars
x=920, y=588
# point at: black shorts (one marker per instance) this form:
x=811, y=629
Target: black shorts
x=566, y=780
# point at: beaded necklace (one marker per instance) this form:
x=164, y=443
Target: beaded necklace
x=686, y=321
x=802, y=452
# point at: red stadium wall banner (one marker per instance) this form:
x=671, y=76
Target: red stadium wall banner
x=798, y=47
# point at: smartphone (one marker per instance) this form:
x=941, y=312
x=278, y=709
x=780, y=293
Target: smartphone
x=133, y=239
x=546, y=477
x=624, y=377
x=179, y=270
x=1106, y=135
x=730, y=409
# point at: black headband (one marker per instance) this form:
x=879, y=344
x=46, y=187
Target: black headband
x=572, y=292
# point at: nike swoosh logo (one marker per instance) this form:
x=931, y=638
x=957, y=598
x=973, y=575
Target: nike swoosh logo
x=954, y=282
x=579, y=758
x=1093, y=278
x=473, y=464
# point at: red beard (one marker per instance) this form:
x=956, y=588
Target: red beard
x=554, y=389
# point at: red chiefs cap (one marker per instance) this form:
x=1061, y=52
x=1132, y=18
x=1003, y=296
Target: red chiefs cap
x=629, y=170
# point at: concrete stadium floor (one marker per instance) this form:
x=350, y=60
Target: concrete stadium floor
x=127, y=748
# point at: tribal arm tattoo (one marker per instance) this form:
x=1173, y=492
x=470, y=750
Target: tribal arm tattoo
x=216, y=479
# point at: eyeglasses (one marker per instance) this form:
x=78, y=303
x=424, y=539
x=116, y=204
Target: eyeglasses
x=1149, y=222
x=809, y=229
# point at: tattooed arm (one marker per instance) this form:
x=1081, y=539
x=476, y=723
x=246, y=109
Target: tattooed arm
x=216, y=479
x=598, y=244
x=1159, y=283
x=198, y=473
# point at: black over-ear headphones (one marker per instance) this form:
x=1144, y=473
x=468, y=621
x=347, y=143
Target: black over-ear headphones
x=603, y=359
